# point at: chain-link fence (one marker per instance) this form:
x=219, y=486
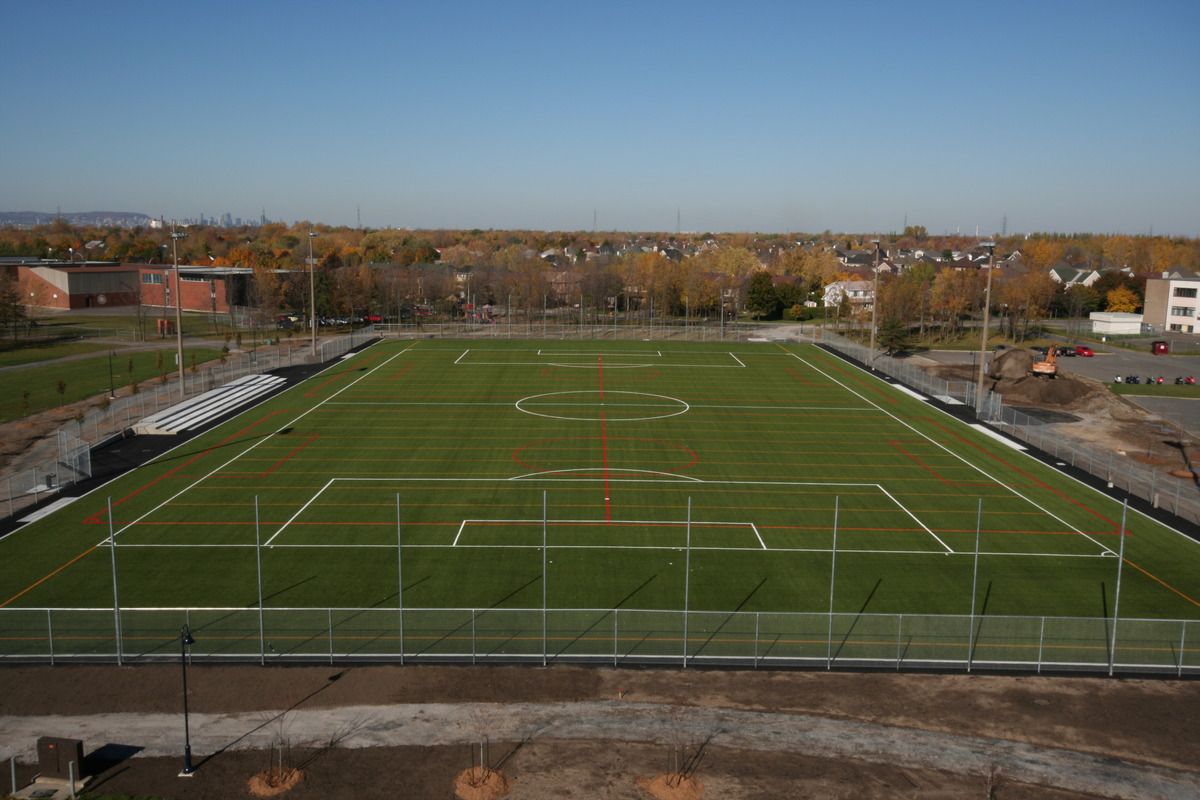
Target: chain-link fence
x=558, y=328
x=611, y=636
x=1179, y=496
x=64, y=457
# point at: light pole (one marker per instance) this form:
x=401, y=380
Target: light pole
x=312, y=292
x=112, y=395
x=175, y=237
x=186, y=641
x=874, y=305
x=987, y=305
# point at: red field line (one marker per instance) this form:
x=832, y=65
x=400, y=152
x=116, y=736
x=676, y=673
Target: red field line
x=900, y=448
x=96, y=519
x=1028, y=475
x=312, y=437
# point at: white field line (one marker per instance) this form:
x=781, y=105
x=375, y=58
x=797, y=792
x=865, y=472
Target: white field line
x=914, y=518
x=601, y=354
x=468, y=403
x=946, y=449
x=616, y=523
x=296, y=419
x=971, y=553
x=740, y=362
x=754, y=528
x=464, y=355
x=292, y=518
x=593, y=366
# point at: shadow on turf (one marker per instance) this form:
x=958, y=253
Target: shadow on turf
x=474, y=616
x=728, y=617
x=857, y=618
x=604, y=616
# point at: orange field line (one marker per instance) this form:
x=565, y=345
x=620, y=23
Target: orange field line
x=46, y=577
x=1161, y=582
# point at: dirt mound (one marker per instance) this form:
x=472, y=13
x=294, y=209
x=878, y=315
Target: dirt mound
x=1012, y=364
x=272, y=782
x=477, y=783
x=672, y=787
x=1061, y=391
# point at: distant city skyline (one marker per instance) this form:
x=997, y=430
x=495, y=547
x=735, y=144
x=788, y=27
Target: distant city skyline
x=766, y=117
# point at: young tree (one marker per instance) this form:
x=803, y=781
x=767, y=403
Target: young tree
x=893, y=335
x=12, y=311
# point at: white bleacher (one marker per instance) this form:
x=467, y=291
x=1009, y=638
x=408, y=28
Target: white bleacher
x=202, y=408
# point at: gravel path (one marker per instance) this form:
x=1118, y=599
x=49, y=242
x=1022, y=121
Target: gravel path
x=445, y=724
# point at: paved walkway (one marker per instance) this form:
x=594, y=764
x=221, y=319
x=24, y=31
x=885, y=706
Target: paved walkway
x=449, y=724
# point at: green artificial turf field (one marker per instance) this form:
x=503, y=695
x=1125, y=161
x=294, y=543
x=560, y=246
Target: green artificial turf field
x=617, y=455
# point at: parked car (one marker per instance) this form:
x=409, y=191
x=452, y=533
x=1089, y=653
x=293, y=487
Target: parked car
x=1067, y=351
x=1084, y=350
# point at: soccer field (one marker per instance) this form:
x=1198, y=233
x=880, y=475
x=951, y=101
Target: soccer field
x=595, y=475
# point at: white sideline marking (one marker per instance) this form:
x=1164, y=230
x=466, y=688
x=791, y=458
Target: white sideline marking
x=901, y=388
x=943, y=447
x=675, y=547
x=754, y=528
x=740, y=362
x=464, y=354
x=986, y=431
x=294, y=420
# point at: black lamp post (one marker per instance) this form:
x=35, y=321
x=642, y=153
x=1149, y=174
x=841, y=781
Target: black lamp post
x=186, y=641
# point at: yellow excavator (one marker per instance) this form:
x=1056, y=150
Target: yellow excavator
x=1047, y=367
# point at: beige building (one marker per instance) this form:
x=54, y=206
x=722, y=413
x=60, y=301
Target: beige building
x=1172, y=302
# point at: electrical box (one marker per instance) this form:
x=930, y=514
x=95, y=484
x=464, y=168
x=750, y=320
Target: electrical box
x=55, y=756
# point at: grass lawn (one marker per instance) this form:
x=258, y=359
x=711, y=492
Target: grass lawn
x=728, y=468
x=1156, y=390
x=23, y=353
x=84, y=378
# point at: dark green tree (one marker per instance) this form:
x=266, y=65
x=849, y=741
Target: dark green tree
x=762, y=299
x=893, y=336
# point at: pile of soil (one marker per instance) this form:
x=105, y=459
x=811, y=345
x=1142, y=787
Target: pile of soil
x=1097, y=416
x=272, y=783
x=672, y=787
x=477, y=783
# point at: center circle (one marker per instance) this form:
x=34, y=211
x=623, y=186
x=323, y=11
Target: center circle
x=591, y=405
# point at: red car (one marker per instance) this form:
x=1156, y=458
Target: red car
x=1084, y=350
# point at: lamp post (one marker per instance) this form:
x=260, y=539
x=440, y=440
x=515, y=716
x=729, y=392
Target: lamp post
x=987, y=305
x=312, y=292
x=874, y=305
x=112, y=394
x=186, y=641
x=175, y=237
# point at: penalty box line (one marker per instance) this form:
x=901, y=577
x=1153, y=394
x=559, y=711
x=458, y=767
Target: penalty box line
x=654, y=523
x=660, y=479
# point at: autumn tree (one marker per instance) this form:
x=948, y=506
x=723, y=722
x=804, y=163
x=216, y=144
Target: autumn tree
x=1121, y=299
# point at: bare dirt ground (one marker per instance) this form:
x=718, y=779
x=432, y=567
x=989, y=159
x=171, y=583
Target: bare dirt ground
x=1084, y=410
x=1142, y=722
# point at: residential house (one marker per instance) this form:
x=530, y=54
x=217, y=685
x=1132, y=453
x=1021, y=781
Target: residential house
x=1172, y=301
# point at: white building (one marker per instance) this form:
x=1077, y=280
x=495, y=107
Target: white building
x=1116, y=323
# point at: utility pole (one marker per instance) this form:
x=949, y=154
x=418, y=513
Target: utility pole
x=312, y=292
x=874, y=305
x=987, y=305
x=175, y=237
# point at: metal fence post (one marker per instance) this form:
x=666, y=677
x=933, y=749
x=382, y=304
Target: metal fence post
x=472, y=636
x=329, y=611
x=50, y=635
x=899, y=640
x=616, y=611
x=1041, y=644
x=756, y=616
x=1182, y=642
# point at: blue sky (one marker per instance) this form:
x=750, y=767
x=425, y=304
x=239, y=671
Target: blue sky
x=1067, y=116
